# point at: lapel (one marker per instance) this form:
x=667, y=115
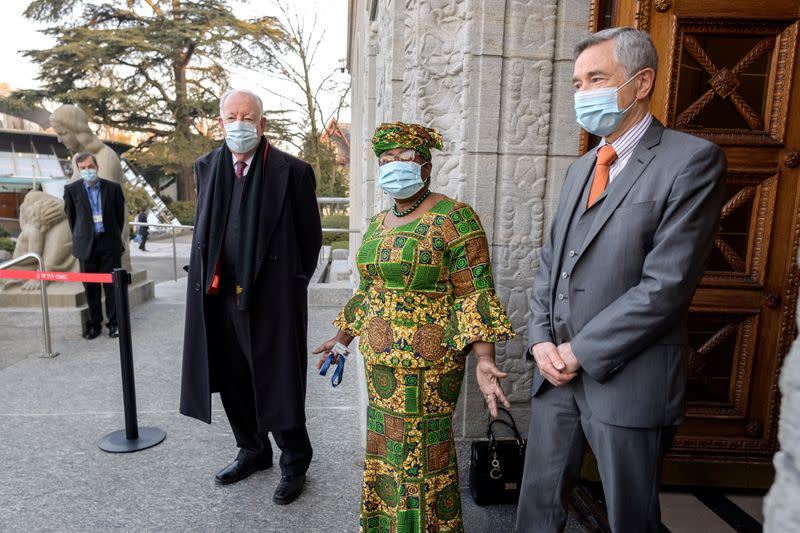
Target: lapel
x=207, y=184
x=105, y=202
x=641, y=157
x=581, y=171
x=87, y=204
x=273, y=193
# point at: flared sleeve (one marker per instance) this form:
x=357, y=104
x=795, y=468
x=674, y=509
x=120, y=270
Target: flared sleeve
x=477, y=314
x=351, y=317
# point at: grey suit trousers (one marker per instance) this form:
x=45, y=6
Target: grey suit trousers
x=628, y=460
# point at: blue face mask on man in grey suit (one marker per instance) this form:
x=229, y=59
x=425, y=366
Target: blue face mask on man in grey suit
x=596, y=110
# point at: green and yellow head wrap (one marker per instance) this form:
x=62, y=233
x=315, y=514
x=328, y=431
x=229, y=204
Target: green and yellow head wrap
x=391, y=135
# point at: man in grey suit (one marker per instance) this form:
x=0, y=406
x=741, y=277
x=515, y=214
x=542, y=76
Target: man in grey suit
x=628, y=245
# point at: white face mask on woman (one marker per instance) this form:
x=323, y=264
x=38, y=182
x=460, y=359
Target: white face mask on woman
x=401, y=179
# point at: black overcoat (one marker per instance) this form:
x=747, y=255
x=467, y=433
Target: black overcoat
x=287, y=249
x=79, y=215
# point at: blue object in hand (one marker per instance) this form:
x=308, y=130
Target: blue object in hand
x=336, y=378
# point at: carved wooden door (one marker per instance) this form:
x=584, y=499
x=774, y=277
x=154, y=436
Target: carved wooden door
x=729, y=73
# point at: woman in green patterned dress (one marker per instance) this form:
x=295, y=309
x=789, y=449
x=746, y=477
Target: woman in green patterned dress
x=426, y=299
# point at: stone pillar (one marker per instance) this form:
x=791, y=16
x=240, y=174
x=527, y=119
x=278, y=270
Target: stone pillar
x=494, y=76
x=781, y=509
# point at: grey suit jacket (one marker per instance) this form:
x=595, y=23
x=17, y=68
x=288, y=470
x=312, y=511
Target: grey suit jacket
x=636, y=273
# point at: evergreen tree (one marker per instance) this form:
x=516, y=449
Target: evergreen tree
x=151, y=66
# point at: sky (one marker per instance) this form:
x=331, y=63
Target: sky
x=18, y=33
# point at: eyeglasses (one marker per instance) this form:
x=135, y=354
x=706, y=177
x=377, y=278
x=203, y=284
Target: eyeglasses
x=405, y=155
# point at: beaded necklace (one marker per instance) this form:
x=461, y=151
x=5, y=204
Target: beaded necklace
x=401, y=214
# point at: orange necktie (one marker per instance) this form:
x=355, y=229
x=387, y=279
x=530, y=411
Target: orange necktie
x=605, y=158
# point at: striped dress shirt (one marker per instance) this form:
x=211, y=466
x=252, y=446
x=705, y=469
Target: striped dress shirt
x=625, y=145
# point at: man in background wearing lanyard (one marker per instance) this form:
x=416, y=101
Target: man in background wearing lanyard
x=96, y=212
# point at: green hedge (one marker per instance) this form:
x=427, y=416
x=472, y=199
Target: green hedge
x=136, y=199
x=335, y=221
x=184, y=211
x=7, y=244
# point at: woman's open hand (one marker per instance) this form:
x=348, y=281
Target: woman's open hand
x=489, y=377
x=325, y=349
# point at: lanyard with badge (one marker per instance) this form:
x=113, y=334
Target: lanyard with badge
x=340, y=353
x=95, y=206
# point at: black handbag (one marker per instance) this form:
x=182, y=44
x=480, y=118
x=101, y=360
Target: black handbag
x=495, y=465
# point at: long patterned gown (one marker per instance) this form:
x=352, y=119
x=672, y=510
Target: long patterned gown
x=426, y=294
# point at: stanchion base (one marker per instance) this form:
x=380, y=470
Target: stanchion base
x=116, y=442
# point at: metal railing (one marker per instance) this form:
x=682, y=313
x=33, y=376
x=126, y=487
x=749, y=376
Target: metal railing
x=322, y=200
x=173, y=228
x=174, y=245
x=48, y=348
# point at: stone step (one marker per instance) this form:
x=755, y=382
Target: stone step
x=329, y=294
x=62, y=316
x=70, y=295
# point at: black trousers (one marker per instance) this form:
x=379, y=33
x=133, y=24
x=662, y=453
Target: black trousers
x=105, y=257
x=236, y=390
x=143, y=240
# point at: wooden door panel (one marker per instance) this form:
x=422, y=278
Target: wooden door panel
x=721, y=353
x=730, y=80
x=741, y=246
x=727, y=9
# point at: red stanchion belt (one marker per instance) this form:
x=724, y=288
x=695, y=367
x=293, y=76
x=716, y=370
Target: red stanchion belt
x=56, y=276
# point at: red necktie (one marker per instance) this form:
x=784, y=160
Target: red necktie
x=239, y=166
x=605, y=158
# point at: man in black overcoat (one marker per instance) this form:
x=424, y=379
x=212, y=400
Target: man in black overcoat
x=256, y=243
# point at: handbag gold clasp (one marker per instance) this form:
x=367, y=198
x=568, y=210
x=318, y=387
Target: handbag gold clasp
x=495, y=472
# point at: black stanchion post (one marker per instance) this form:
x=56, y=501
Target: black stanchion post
x=120, y=278
x=132, y=438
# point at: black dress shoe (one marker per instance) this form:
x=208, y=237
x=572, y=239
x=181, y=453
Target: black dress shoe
x=245, y=464
x=113, y=332
x=289, y=489
x=91, y=333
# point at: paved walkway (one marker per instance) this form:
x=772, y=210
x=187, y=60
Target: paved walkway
x=55, y=478
x=53, y=411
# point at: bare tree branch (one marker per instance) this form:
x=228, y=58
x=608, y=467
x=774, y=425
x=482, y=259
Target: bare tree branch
x=155, y=8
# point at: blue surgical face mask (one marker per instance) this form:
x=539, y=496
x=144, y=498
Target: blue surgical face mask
x=89, y=174
x=241, y=136
x=596, y=110
x=400, y=179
